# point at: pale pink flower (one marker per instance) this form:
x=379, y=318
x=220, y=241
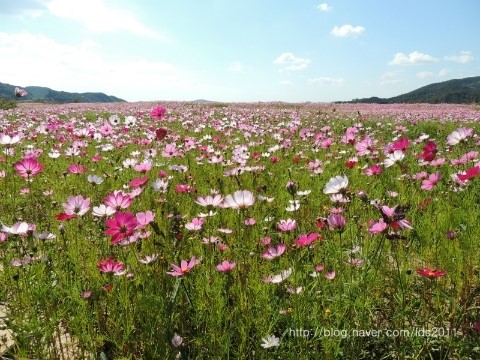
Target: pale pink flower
x=239, y=200
x=19, y=228
x=286, y=225
x=76, y=205
x=209, y=200
x=433, y=179
x=276, y=279
x=249, y=222
x=330, y=275
x=103, y=211
x=195, y=225
x=459, y=135
x=144, y=218
x=118, y=200
x=274, y=252
x=148, y=259
x=336, y=222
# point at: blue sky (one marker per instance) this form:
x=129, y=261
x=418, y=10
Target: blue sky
x=236, y=51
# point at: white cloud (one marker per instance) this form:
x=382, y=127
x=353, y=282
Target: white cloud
x=324, y=7
x=424, y=74
x=463, y=58
x=413, y=58
x=291, y=62
x=347, y=30
x=96, y=16
x=327, y=80
x=285, y=82
x=235, y=66
x=31, y=59
x=443, y=72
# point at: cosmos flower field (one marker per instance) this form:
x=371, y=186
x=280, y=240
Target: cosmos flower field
x=259, y=231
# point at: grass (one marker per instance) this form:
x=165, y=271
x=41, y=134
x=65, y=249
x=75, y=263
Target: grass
x=60, y=305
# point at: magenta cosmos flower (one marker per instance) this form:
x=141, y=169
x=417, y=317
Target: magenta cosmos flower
x=184, y=267
x=121, y=226
x=109, y=265
x=239, y=200
x=28, y=167
x=158, y=113
x=431, y=273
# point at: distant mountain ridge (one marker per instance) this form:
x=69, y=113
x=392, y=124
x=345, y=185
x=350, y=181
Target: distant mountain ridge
x=457, y=91
x=45, y=94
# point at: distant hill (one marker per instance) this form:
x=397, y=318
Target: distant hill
x=44, y=94
x=457, y=91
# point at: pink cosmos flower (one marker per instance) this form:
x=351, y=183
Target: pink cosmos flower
x=239, y=200
x=138, y=182
x=184, y=267
x=377, y=228
x=250, y=221
x=19, y=228
x=336, y=222
x=144, y=218
x=77, y=169
x=373, y=170
x=330, y=275
x=286, y=225
x=459, y=135
x=433, y=179
x=143, y=167
x=209, y=200
x=307, y=239
x=28, y=167
x=274, y=252
x=19, y=92
x=225, y=266
x=195, y=225
x=118, y=200
x=109, y=265
x=121, y=226
x=76, y=205
x=158, y=113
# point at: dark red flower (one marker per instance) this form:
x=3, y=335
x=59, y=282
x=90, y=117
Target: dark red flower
x=431, y=274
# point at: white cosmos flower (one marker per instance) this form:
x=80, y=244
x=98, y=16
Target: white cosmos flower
x=294, y=205
x=19, y=228
x=239, y=200
x=336, y=185
x=458, y=135
x=9, y=140
x=103, y=211
x=94, y=179
x=270, y=341
x=276, y=279
x=391, y=159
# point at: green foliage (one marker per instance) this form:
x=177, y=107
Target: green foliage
x=7, y=104
x=457, y=91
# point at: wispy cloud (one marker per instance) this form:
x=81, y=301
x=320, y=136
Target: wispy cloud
x=424, y=74
x=324, y=7
x=443, y=72
x=327, y=80
x=81, y=67
x=235, y=66
x=285, y=82
x=412, y=59
x=96, y=16
x=347, y=30
x=463, y=58
x=291, y=63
